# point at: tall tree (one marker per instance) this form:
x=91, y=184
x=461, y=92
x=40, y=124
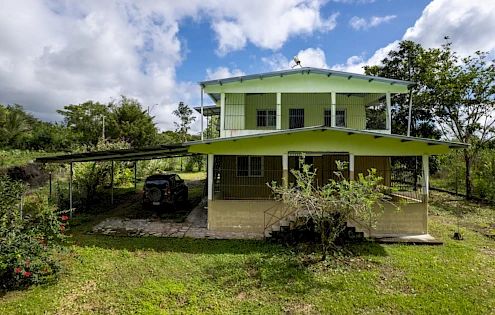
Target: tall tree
x=408, y=62
x=184, y=113
x=462, y=91
x=86, y=119
x=16, y=125
x=128, y=120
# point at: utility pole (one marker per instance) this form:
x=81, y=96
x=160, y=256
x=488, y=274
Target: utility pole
x=103, y=132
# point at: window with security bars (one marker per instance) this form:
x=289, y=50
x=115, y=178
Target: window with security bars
x=249, y=166
x=266, y=118
x=296, y=118
x=340, y=118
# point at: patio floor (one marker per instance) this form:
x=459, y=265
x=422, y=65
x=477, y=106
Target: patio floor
x=194, y=226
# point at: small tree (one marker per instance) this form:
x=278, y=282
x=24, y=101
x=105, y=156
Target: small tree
x=330, y=207
x=184, y=113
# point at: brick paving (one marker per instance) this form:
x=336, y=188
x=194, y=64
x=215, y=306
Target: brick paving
x=195, y=226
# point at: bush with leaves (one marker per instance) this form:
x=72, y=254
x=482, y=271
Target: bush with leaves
x=29, y=244
x=330, y=207
x=89, y=176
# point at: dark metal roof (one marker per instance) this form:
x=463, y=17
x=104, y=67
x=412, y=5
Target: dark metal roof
x=210, y=110
x=144, y=153
x=457, y=145
x=307, y=70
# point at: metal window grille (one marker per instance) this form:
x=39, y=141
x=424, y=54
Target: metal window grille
x=340, y=118
x=296, y=118
x=266, y=118
x=245, y=177
x=249, y=166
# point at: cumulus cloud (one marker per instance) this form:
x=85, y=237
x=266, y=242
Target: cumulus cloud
x=470, y=25
x=311, y=57
x=268, y=24
x=54, y=53
x=358, y=23
x=222, y=73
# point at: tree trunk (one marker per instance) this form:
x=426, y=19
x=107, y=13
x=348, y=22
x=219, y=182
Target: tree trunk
x=467, y=160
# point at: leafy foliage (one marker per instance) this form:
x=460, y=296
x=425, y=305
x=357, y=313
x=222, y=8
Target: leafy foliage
x=184, y=113
x=28, y=244
x=330, y=207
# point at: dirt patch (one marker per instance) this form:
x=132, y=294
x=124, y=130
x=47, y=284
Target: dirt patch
x=33, y=174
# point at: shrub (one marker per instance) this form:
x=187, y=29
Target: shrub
x=29, y=244
x=329, y=208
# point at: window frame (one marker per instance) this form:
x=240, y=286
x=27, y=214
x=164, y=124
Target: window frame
x=250, y=171
x=270, y=115
x=327, y=114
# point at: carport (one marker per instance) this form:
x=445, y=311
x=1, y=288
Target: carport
x=125, y=155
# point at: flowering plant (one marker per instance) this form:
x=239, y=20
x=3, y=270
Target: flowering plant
x=28, y=244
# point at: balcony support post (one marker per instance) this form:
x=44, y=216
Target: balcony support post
x=333, y=110
x=389, y=112
x=202, y=116
x=279, y=111
x=285, y=169
x=351, y=166
x=222, y=114
x=426, y=177
x=209, y=176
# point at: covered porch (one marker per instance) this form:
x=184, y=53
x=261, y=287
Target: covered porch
x=239, y=169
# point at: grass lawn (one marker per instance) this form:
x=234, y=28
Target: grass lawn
x=119, y=275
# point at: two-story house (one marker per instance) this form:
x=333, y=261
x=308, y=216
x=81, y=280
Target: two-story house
x=266, y=121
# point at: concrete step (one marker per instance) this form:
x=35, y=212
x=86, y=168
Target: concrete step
x=275, y=227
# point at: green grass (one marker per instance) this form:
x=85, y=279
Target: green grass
x=185, y=276
x=10, y=158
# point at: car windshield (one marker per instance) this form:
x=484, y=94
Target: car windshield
x=157, y=182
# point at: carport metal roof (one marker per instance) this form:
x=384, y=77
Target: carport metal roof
x=135, y=154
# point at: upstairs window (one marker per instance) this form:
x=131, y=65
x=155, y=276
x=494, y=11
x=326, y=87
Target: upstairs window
x=249, y=166
x=266, y=118
x=296, y=118
x=340, y=118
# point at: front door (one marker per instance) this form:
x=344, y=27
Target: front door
x=296, y=118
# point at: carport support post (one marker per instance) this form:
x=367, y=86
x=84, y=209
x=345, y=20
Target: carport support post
x=426, y=178
x=111, y=185
x=210, y=176
x=70, y=190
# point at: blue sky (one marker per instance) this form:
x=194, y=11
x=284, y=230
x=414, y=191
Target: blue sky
x=59, y=52
x=338, y=45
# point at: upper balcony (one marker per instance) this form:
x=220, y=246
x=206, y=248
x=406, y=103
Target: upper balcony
x=302, y=98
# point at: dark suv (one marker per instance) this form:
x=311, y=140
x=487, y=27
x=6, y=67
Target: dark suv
x=164, y=189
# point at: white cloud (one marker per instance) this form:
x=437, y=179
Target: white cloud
x=355, y=64
x=470, y=25
x=222, y=73
x=268, y=24
x=310, y=57
x=54, y=52
x=358, y=23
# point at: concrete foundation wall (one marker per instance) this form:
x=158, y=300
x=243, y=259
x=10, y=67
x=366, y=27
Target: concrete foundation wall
x=412, y=219
x=238, y=216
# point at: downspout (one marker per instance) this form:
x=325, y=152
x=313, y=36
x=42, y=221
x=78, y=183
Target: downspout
x=410, y=113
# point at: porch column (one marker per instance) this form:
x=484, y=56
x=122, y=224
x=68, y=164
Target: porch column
x=351, y=166
x=222, y=114
x=285, y=169
x=426, y=178
x=333, y=110
x=279, y=111
x=210, y=176
x=389, y=112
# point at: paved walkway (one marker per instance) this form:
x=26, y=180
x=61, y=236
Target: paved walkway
x=195, y=226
